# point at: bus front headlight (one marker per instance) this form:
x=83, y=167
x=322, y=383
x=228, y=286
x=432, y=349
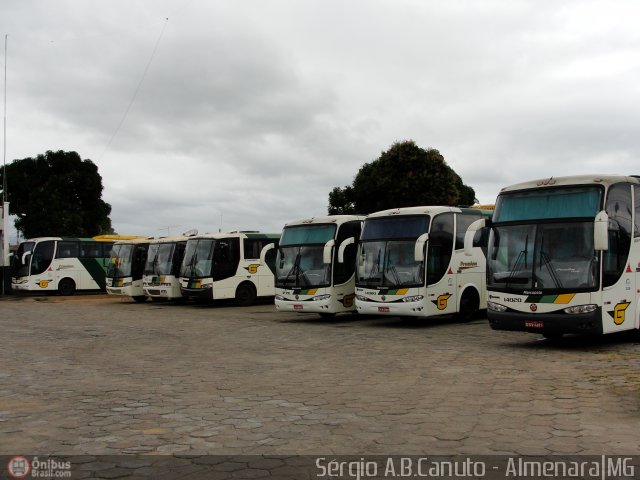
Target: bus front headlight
x=496, y=307
x=280, y=298
x=581, y=309
x=320, y=298
x=413, y=298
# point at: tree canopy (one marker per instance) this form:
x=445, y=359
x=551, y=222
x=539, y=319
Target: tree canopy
x=57, y=194
x=404, y=176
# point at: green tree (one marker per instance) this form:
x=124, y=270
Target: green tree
x=57, y=193
x=404, y=176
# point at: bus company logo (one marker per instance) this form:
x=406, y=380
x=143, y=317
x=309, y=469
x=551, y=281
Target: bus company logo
x=441, y=301
x=533, y=307
x=18, y=467
x=43, y=283
x=618, y=312
x=347, y=300
x=253, y=268
x=466, y=265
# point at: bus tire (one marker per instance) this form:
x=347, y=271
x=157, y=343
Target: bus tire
x=139, y=298
x=245, y=294
x=469, y=305
x=66, y=287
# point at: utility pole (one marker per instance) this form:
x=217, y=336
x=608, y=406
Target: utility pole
x=4, y=207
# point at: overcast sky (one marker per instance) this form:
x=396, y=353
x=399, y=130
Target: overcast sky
x=246, y=113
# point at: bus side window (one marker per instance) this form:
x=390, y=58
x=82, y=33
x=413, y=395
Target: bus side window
x=440, y=247
x=106, y=250
x=618, y=208
x=636, y=196
x=67, y=249
x=462, y=223
x=90, y=250
x=42, y=257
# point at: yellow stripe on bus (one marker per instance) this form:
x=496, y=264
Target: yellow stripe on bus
x=564, y=298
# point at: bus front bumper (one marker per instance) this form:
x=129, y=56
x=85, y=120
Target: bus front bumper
x=547, y=323
x=199, y=293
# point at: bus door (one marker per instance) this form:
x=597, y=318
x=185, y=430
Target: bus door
x=441, y=278
x=618, y=274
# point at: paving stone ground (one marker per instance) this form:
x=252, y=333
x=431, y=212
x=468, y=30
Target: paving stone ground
x=104, y=376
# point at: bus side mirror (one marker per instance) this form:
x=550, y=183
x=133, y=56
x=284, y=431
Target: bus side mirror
x=263, y=252
x=326, y=253
x=24, y=257
x=471, y=233
x=342, y=247
x=418, y=252
x=601, y=232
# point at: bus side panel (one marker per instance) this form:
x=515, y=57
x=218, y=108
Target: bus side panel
x=618, y=305
x=93, y=275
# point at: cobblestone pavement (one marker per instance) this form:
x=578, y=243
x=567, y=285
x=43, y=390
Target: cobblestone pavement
x=101, y=376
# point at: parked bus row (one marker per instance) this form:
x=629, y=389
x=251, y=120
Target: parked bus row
x=560, y=255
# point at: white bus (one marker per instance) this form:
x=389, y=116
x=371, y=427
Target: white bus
x=161, y=276
x=564, y=256
x=124, y=273
x=61, y=264
x=220, y=266
x=412, y=263
x=315, y=265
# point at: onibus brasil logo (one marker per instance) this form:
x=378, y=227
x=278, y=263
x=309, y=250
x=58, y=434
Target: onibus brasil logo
x=20, y=466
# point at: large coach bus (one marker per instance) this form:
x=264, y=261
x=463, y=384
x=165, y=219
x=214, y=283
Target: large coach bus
x=126, y=266
x=220, y=266
x=564, y=256
x=411, y=262
x=315, y=265
x=161, y=275
x=62, y=264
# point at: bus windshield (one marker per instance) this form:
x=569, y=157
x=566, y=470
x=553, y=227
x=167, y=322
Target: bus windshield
x=543, y=240
x=299, y=261
x=121, y=261
x=302, y=267
x=160, y=259
x=545, y=256
x=387, y=252
x=198, y=258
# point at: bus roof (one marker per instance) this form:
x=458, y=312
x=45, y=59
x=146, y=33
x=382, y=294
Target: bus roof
x=114, y=238
x=337, y=219
x=173, y=239
x=428, y=210
x=98, y=238
x=572, y=180
x=238, y=234
x=135, y=240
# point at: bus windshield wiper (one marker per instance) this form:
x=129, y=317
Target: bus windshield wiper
x=294, y=269
x=376, y=267
x=391, y=268
x=521, y=261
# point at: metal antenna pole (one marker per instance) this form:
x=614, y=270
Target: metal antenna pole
x=4, y=157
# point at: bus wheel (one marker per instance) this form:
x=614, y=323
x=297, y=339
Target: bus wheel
x=469, y=305
x=139, y=298
x=245, y=295
x=66, y=287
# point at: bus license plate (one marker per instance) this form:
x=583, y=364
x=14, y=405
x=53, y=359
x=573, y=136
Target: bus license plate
x=297, y=306
x=534, y=323
x=383, y=309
